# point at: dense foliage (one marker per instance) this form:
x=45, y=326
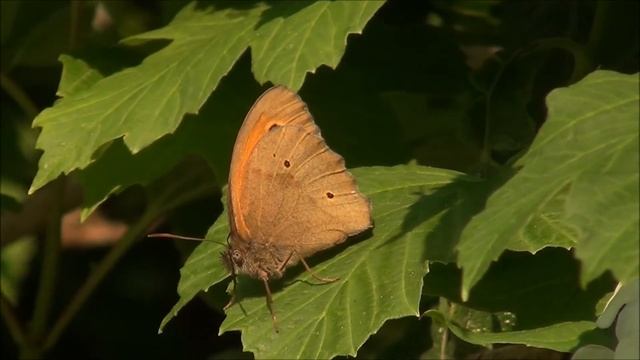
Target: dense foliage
x=498, y=142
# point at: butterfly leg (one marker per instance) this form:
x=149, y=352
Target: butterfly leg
x=284, y=263
x=270, y=303
x=313, y=274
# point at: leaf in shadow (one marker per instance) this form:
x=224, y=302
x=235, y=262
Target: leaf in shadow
x=379, y=279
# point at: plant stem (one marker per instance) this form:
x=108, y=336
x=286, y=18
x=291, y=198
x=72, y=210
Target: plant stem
x=486, y=141
x=596, y=43
x=48, y=272
x=581, y=59
x=96, y=277
x=445, y=335
x=75, y=12
x=443, y=343
x=158, y=206
x=16, y=93
x=13, y=323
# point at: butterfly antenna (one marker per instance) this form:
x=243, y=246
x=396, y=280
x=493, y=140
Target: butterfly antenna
x=180, y=237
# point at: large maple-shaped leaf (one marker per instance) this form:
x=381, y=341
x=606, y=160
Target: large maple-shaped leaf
x=117, y=168
x=142, y=103
x=586, y=153
x=380, y=272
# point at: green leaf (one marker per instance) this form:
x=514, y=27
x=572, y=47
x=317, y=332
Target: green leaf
x=117, y=168
x=14, y=262
x=560, y=337
x=77, y=76
x=588, y=145
x=13, y=195
x=547, y=227
x=451, y=347
x=380, y=273
x=593, y=352
x=623, y=295
x=142, y=103
x=290, y=46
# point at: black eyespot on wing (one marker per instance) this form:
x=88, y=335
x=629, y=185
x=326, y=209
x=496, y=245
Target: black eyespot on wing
x=329, y=195
x=287, y=163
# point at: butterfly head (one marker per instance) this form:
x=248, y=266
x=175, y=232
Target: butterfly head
x=261, y=262
x=232, y=259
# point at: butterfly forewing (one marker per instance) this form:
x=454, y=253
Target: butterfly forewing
x=278, y=106
x=298, y=193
